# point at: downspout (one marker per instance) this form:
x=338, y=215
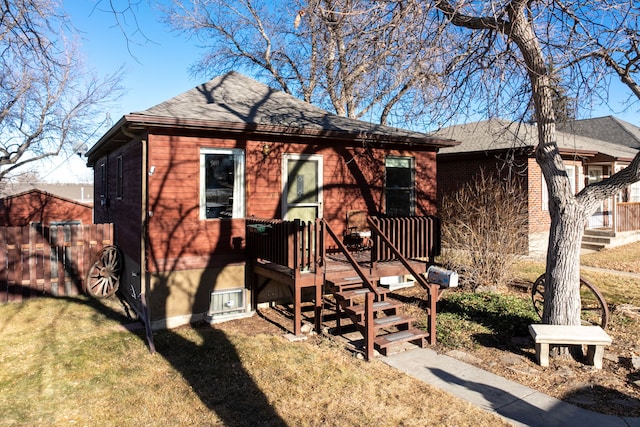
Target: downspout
x=144, y=277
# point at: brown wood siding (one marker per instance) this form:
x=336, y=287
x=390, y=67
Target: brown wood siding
x=124, y=212
x=40, y=207
x=179, y=239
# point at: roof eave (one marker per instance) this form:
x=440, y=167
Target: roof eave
x=134, y=123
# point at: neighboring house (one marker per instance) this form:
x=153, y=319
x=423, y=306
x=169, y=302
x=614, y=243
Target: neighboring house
x=181, y=181
x=82, y=192
x=508, y=149
x=40, y=207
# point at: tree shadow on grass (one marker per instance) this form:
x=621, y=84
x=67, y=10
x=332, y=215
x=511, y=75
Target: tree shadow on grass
x=211, y=367
x=215, y=372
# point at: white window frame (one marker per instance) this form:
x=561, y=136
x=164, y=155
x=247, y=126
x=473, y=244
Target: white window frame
x=238, y=209
x=571, y=173
x=412, y=189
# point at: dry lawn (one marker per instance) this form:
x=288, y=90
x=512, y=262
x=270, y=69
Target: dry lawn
x=622, y=258
x=69, y=362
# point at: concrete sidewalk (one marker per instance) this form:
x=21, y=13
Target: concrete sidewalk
x=516, y=403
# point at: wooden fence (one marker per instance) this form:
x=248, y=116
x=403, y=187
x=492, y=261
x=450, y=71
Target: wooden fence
x=628, y=217
x=54, y=260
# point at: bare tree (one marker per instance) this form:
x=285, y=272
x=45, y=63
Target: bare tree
x=361, y=59
x=588, y=42
x=48, y=102
x=482, y=229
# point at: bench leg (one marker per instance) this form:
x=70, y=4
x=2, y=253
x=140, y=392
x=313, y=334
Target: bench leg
x=594, y=355
x=542, y=352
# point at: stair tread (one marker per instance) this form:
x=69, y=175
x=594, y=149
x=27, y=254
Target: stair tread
x=377, y=306
x=398, y=337
x=391, y=320
x=360, y=292
x=345, y=281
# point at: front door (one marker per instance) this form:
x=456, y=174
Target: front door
x=302, y=187
x=597, y=219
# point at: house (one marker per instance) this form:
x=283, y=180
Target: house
x=591, y=149
x=186, y=181
x=78, y=192
x=41, y=207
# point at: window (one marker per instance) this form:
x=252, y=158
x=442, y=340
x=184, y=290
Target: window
x=221, y=183
x=119, y=181
x=399, y=186
x=634, y=192
x=571, y=173
x=103, y=180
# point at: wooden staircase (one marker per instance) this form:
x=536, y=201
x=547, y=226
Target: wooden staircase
x=376, y=317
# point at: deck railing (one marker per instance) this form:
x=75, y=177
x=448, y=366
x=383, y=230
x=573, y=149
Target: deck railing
x=298, y=245
x=416, y=237
x=295, y=244
x=627, y=216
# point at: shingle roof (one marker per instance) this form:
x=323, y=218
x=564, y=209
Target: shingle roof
x=236, y=103
x=606, y=128
x=82, y=193
x=498, y=134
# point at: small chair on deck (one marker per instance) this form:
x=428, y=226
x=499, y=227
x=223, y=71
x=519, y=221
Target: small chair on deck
x=357, y=236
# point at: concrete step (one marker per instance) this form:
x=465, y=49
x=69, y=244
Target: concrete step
x=599, y=233
x=596, y=240
x=592, y=246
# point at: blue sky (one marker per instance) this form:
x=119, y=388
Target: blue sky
x=154, y=70
x=158, y=68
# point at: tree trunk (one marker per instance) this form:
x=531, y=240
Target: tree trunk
x=562, y=281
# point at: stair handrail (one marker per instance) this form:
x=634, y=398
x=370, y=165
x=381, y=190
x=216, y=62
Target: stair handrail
x=432, y=289
x=351, y=259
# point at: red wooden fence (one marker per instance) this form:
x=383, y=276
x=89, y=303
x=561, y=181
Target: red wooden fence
x=37, y=260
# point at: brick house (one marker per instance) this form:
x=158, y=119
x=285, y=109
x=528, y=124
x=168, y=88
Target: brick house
x=507, y=149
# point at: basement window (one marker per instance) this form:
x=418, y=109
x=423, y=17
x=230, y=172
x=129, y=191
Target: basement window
x=226, y=304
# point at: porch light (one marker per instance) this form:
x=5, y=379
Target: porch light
x=266, y=149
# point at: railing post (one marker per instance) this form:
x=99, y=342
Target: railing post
x=292, y=243
x=368, y=326
x=433, y=293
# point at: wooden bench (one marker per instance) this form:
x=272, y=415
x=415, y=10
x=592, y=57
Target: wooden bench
x=594, y=337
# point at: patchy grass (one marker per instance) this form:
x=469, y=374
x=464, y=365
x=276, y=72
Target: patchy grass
x=463, y=315
x=67, y=362
x=622, y=258
x=617, y=289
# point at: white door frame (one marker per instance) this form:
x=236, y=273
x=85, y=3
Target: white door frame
x=285, y=184
x=597, y=218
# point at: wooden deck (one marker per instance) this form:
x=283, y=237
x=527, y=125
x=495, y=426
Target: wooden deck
x=295, y=254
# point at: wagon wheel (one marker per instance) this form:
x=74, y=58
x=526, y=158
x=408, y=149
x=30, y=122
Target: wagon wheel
x=594, y=311
x=103, y=277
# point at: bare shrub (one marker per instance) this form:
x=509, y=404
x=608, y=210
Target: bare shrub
x=484, y=230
